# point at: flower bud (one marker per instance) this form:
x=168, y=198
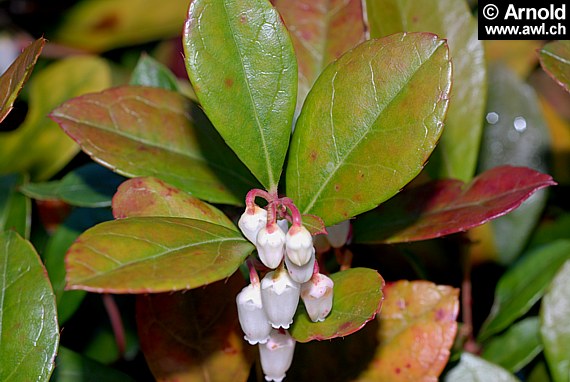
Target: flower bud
x=317, y=295
x=302, y=273
x=280, y=297
x=270, y=244
x=276, y=355
x=251, y=223
x=338, y=233
x=299, y=245
x=252, y=317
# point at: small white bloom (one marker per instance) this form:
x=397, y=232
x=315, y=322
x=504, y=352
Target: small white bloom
x=302, y=273
x=270, y=244
x=276, y=355
x=280, y=297
x=251, y=223
x=299, y=245
x=338, y=234
x=317, y=295
x=251, y=314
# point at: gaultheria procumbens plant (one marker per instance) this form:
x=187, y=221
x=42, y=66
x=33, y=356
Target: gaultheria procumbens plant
x=365, y=129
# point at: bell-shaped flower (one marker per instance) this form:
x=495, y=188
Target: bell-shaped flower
x=280, y=297
x=270, y=245
x=317, y=295
x=338, y=234
x=301, y=273
x=251, y=223
x=251, y=314
x=276, y=355
x=299, y=245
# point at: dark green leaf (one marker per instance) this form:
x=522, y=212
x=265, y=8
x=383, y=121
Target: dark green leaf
x=241, y=63
x=150, y=72
x=555, y=59
x=15, y=208
x=29, y=333
x=73, y=367
x=474, y=369
x=353, y=150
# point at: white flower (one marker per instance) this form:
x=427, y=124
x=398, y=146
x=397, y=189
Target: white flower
x=299, y=245
x=302, y=273
x=252, y=317
x=338, y=234
x=317, y=295
x=276, y=355
x=280, y=297
x=251, y=223
x=270, y=245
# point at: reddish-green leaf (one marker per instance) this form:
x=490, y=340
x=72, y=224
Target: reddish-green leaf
x=352, y=150
x=456, y=155
x=444, y=207
x=417, y=329
x=195, y=336
x=152, y=197
x=29, y=334
x=357, y=299
x=555, y=59
x=14, y=78
x=242, y=65
x=140, y=131
x=554, y=328
x=154, y=254
x=474, y=369
x=314, y=224
x=321, y=32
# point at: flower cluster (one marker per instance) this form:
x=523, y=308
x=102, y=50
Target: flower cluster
x=266, y=308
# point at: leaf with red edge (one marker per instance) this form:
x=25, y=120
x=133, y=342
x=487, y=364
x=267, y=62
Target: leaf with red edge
x=357, y=297
x=314, y=224
x=444, y=207
x=417, y=329
x=555, y=60
x=152, y=197
x=13, y=79
x=194, y=336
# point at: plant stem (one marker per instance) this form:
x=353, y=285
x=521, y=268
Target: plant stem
x=116, y=322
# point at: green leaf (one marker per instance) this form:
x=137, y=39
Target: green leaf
x=321, y=31
x=73, y=367
x=523, y=285
x=456, y=154
x=150, y=72
x=474, y=369
x=88, y=186
x=153, y=254
x=241, y=63
x=39, y=146
x=13, y=79
x=416, y=331
x=15, y=208
x=353, y=150
x=357, y=299
x=554, y=328
x=143, y=131
x=517, y=347
x=555, y=60
x=29, y=333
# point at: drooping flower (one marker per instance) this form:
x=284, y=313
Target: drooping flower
x=251, y=221
x=276, y=355
x=317, y=295
x=270, y=244
x=280, y=297
x=338, y=233
x=301, y=274
x=252, y=316
x=299, y=245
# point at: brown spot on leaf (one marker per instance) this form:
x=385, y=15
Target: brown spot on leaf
x=415, y=19
x=337, y=187
x=398, y=370
x=107, y=23
x=229, y=82
x=243, y=19
x=313, y=156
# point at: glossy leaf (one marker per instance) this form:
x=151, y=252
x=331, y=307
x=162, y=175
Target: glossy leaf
x=519, y=345
x=357, y=299
x=102, y=25
x=241, y=63
x=321, y=31
x=555, y=59
x=353, y=150
x=15, y=208
x=456, y=154
x=554, y=329
x=152, y=197
x=142, y=131
x=150, y=72
x=474, y=369
x=195, y=336
x=444, y=207
x=523, y=285
x=39, y=146
x=13, y=79
x=88, y=186
x=153, y=254
x=72, y=367
x=314, y=224
x=416, y=331
x=30, y=335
